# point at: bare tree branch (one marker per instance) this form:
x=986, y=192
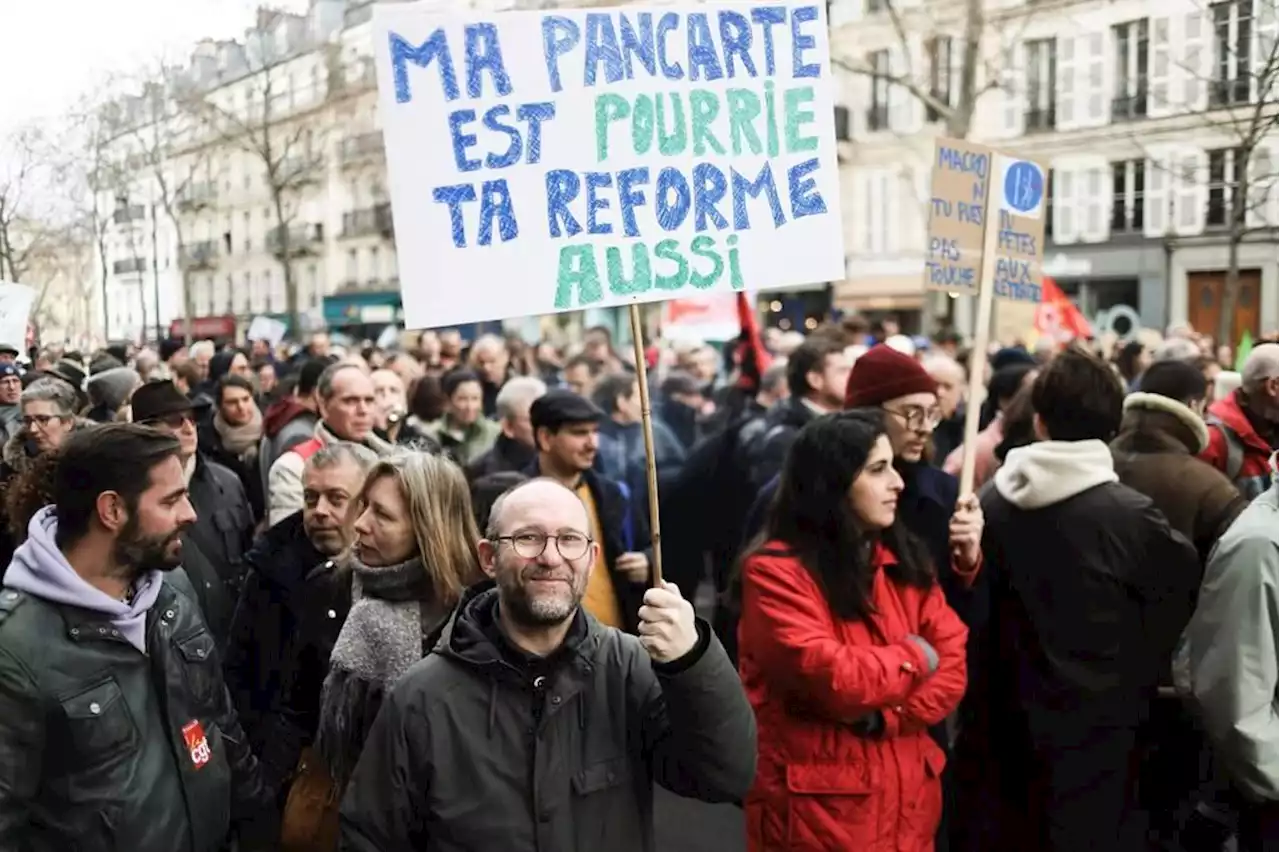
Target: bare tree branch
x=277, y=136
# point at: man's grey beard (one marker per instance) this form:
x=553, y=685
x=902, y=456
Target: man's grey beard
x=528, y=611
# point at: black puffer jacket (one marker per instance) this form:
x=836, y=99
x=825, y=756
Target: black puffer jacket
x=568, y=746
x=96, y=739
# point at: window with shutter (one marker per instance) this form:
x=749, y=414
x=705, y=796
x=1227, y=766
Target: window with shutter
x=1131, y=69
x=1191, y=173
x=1095, y=60
x=1195, y=54
x=1264, y=53
x=1095, y=205
x=1262, y=188
x=1157, y=197
x=1064, y=226
x=1066, y=83
x=1012, y=84
x=899, y=98
x=881, y=91
x=943, y=79
x=1160, y=67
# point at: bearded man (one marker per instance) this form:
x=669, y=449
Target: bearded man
x=116, y=731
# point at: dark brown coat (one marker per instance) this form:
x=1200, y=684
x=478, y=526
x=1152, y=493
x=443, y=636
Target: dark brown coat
x=1155, y=454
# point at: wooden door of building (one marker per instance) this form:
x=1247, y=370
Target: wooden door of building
x=1204, y=303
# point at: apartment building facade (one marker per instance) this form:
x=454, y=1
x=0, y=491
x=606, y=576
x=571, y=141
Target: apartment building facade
x=1140, y=109
x=271, y=157
x=288, y=113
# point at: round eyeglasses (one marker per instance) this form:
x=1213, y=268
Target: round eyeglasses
x=531, y=545
x=918, y=419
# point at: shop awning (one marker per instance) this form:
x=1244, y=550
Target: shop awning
x=364, y=307
x=204, y=328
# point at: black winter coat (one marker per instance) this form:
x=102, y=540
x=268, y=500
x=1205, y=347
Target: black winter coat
x=768, y=445
x=271, y=607
x=1088, y=598
x=221, y=534
x=506, y=456
x=293, y=717
x=481, y=747
x=99, y=744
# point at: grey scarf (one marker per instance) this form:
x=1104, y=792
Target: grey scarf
x=379, y=641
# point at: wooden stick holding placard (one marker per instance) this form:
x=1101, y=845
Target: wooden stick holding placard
x=646, y=425
x=981, y=338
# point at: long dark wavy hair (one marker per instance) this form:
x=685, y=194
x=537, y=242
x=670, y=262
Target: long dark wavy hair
x=811, y=515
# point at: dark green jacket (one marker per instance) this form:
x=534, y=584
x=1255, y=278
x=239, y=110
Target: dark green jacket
x=477, y=750
x=93, y=752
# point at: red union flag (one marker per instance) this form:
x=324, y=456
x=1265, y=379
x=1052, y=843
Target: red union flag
x=197, y=743
x=1057, y=317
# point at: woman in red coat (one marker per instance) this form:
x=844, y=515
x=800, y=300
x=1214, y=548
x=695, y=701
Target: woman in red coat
x=848, y=653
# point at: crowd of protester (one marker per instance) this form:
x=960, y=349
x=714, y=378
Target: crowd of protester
x=407, y=597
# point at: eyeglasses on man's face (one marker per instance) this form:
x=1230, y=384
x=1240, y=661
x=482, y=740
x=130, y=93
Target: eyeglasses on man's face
x=531, y=545
x=917, y=418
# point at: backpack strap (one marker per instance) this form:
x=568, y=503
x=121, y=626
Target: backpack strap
x=1235, y=448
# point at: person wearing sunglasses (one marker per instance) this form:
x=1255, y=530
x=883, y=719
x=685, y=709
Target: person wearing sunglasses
x=223, y=531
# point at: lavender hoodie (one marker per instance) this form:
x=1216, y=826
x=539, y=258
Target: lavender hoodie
x=40, y=570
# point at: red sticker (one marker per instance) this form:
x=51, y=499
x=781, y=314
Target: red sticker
x=197, y=744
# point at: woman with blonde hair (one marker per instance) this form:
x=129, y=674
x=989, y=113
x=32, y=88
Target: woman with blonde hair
x=414, y=552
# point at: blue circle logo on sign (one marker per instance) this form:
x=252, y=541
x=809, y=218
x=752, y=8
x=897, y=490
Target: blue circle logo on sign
x=1023, y=187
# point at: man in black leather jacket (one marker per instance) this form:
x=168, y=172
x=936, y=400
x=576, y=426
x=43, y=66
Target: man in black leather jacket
x=116, y=731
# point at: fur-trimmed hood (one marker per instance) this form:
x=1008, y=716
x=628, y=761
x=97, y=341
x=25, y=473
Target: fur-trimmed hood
x=1155, y=423
x=14, y=454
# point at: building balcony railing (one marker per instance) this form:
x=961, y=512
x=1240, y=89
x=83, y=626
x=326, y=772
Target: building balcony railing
x=128, y=214
x=298, y=240
x=1130, y=106
x=129, y=266
x=298, y=170
x=369, y=221
x=201, y=255
x=1040, y=119
x=197, y=197
x=1224, y=93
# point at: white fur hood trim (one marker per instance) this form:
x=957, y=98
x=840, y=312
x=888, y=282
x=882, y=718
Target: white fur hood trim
x=1188, y=418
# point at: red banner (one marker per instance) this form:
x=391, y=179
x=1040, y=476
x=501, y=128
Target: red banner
x=1057, y=317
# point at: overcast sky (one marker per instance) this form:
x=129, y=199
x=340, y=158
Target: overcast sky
x=51, y=51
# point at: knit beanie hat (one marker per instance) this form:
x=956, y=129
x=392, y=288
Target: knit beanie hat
x=882, y=374
x=111, y=388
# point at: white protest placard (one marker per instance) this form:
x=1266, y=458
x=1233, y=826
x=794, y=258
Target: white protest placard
x=268, y=329
x=546, y=161
x=15, y=313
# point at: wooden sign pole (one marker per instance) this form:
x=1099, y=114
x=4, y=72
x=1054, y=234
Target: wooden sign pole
x=981, y=332
x=650, y=463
